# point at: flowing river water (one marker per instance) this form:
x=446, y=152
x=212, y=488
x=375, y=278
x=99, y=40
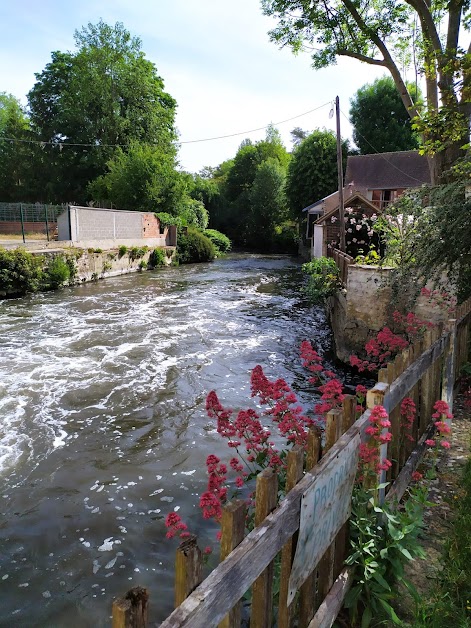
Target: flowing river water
x=103, y=429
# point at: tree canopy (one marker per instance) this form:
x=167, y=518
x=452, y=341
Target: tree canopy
x=13, y=155
x=380, y=121
x=86, y=103
x=312, y=172
x=394, y=35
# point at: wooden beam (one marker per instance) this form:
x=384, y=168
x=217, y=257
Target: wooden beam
x=331, y=605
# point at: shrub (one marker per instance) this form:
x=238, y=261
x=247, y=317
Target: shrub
x=323, y=279
x=194, y=246
x=157, y=258
x=137, y=251
x=220, y=241
x=20, y=271
x=98, y=250
x=142, y=265
x=123, y=249
x=56, y=273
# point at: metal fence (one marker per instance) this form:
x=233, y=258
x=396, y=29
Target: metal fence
x=28, y=219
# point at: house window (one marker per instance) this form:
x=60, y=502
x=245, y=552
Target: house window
x=382, y=198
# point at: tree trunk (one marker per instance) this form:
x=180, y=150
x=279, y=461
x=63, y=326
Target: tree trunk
x=440, y=164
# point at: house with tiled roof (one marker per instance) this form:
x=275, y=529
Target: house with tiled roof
x=371, y=183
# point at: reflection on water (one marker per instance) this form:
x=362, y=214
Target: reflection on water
x=103, y=429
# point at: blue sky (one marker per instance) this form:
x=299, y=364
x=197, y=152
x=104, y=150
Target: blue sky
x=215, y=58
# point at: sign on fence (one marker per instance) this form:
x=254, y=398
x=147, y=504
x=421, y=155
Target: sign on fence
x=325, y=507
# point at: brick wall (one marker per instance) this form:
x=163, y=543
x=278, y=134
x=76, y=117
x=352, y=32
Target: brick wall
x=150, y=226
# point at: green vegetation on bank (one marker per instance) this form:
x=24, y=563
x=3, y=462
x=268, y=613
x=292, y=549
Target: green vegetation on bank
x=194, y=246
x=23, y=272
x=449, y=601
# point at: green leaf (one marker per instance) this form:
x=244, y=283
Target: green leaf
x=379, y=578
x=366, y=618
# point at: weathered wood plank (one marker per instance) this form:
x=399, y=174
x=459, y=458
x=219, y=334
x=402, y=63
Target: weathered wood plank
x=294, y=472
x=332, y=604
x=327, y=503
x=218, y=593
x=262, y=591
x=232, y=533
x=307, y=592
x=325, y=571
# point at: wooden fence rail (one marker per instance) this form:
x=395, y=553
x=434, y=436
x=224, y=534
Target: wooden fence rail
x=343, y=261
x=426, y=373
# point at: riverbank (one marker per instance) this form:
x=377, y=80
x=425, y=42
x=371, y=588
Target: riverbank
x=41, y=269
x=443, y=578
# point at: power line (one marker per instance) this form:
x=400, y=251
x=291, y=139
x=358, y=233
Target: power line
x=206, y=139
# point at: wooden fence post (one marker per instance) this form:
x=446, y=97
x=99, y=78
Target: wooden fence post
x=294, y=472
x=448, y=374
x=307, y=592
x=262, y=589
x=131, y=610
x=232, y=533
x=188, y=569
x=375, y=397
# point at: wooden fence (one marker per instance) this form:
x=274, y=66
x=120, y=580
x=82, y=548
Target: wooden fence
x=425, y=372
x=343, y=261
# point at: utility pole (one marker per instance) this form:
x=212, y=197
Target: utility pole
x=340, y=177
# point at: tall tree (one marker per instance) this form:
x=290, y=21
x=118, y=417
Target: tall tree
x=104, y=94
x=379, y=32
x=142, y=178
x=380, y=122
x=267, y=204
x=14, y=151
x=312, y=172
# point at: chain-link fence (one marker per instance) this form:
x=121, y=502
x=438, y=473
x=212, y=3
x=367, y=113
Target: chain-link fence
x=31, y=221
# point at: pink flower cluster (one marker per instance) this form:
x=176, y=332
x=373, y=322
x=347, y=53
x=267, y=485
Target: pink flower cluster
x=175, y=526
x=330, y=388
x=411, y=324
x=408, y=412
x=380, y=350
x=441, y=298
x=442, y=412
x=379, y=425
x=284, y=411
x=387, y=344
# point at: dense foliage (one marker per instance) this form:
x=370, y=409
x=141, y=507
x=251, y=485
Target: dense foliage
x=397, y=36
x=323, y=278
x=380, y=121
x=193, y=246
x=22, y=272
x=312, y=172
x=13, y=156
x=427, y=237
x=220, y=241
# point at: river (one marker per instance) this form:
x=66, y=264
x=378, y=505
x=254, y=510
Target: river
x=103, y=429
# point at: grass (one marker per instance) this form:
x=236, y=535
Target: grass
x=449, y=601
x=19, y=237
